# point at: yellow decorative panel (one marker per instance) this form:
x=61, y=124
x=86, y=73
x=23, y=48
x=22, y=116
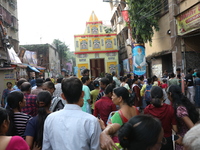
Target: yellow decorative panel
x=96, y=44
x=80, y=68
x=111, y=67
x=83, y=44
x=108, y=43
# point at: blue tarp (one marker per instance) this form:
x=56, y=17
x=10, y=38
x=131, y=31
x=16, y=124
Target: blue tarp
x=32, y=69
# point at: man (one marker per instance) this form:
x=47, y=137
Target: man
x=71, y=128
x=5, y=93
x=117, y=82
x=85, y=72
x=33, y=82
x=31, y=105
x=58, y=90
x=129, y=81
x=38, y=88
x=103, y=84
x=190, y=85
x=139, y=60
x=105, y=106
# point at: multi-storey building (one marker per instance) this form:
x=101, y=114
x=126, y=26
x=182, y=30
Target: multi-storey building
x=96, y=50
x=9, y=28
x=175, y=45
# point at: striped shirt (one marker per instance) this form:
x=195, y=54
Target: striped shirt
x=20, y=121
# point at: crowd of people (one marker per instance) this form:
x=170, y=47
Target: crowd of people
x=111, y=112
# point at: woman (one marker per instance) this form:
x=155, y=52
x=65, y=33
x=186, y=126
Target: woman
x=18, y=120
x=165, y=113
x=197, y=89
x=34, y=128
x=145, y=91
x=9, y=142
x=57, y=102
x=142, y=133
x=185, y=111
x=94, y=93
x=127, y=110
x=136, y=90
x=124, y=84
x=86, y=106
x=173, y=80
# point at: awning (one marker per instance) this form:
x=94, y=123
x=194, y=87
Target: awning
x=32, y=69
x=7, y=68
x=40, y=68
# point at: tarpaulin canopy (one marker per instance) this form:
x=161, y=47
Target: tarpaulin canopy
x=32, y=69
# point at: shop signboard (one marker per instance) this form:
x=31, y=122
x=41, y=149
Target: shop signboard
x=189, y=20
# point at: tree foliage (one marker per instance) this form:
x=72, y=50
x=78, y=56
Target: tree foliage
x=144, y=17
x=107, y=29
x=61, y=48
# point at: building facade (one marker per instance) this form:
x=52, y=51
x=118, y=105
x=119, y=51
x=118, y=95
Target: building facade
x=96, y=50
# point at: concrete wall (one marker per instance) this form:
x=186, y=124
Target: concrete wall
x=186, y=4
x=54, y=66
x=161, y=40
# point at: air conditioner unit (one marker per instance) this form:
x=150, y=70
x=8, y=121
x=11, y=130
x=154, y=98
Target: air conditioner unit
x=120, y=20
x=128, y=42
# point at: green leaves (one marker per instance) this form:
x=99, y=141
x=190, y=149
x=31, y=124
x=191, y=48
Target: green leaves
x=144, y=18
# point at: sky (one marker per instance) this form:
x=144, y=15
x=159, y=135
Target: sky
x=42, y=21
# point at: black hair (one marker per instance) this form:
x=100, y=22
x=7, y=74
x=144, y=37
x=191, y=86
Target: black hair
x=154, y=78
x=20, y=81
x=113, y=73
x=109, y=89
x=13, y=100
x=8, y=83
x=149, y=80
x=45, y=97
x=178, y=69
x=164, y=80
x=124, y=78
x=96, y=83
x=85, y=71
x=59, y=80
x=133, y=80
x=26, y=86
x=109, y=77
x=3, y=116
x=49, y=84
x=189, y=70
x=140, y=132
x=47, y=79
x=72, y=96
x=172, y=75
x=104, y=81
x=128, y=75
x=141, y=77
x=181, y=100
x=121, y=78
x=156, y=95
x=135, y=76
x=124, y=93
x=84, y=79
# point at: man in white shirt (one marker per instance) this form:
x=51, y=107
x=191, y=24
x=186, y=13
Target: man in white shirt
x=71, y=128
x=117, y=82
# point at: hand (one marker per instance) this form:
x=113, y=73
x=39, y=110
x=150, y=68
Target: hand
x=36, y=147
x=106, y=142
x=139, y=67
x=179, y=140
x=102, y=125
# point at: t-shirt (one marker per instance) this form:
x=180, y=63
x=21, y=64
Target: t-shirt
x=31, y=128
x=103, y=108
x=17, y=143
x=94, y=93
x=165, y=114
x=20, y=121
x=189, y=79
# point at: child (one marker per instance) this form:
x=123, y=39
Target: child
x=164, y=84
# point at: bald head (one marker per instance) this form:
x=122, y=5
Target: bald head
x=26, y=87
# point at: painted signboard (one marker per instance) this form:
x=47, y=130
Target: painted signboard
x=139, y=60
x=189, y=20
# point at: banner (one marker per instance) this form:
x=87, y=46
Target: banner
x=139, y=60
x=189, y=20
x=126, y=66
